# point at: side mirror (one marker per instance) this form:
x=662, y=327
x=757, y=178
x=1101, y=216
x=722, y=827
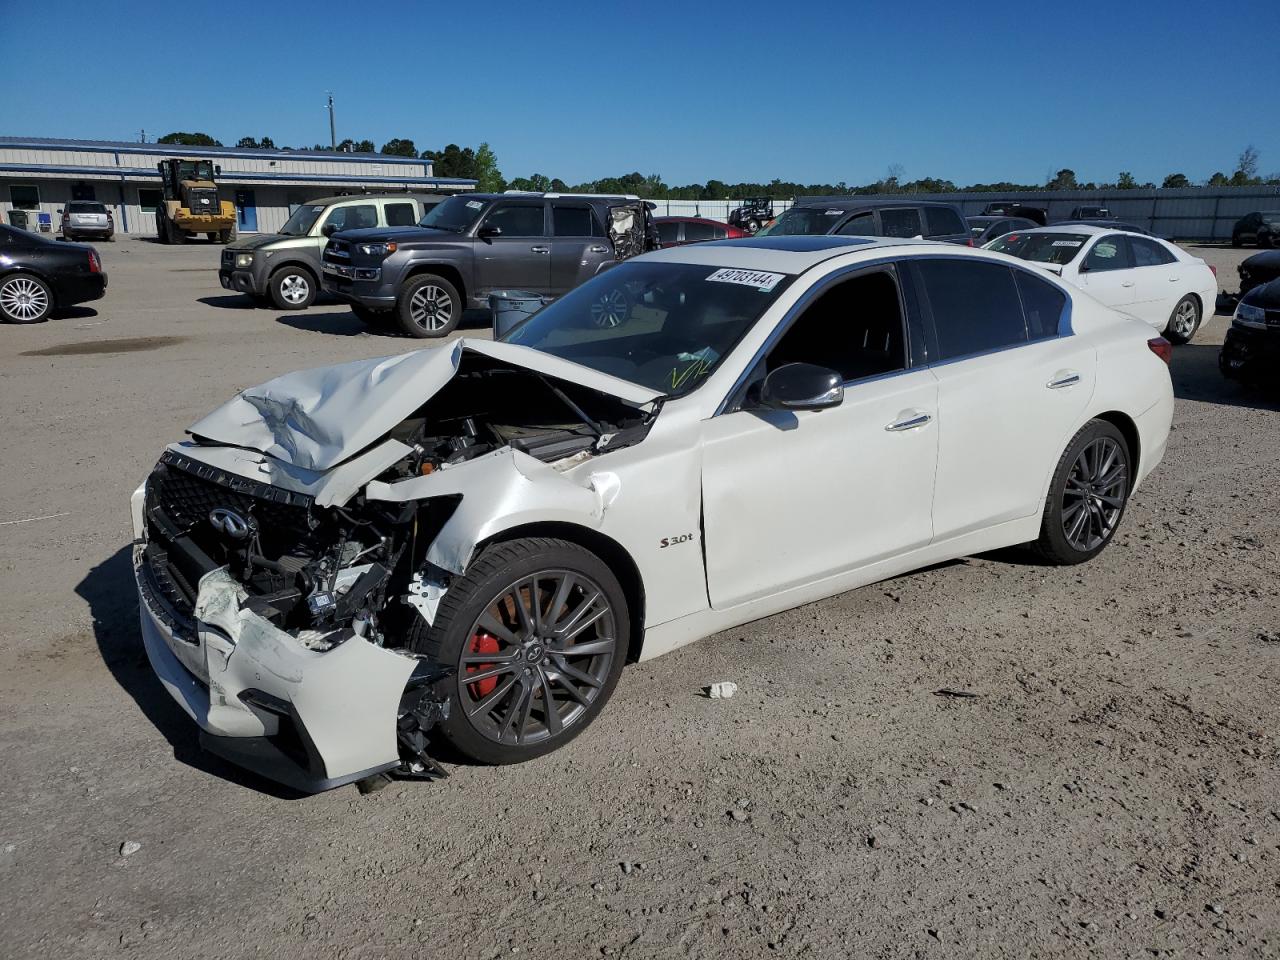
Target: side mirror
x=488, y=232
x=329, y=229
x=802, y=386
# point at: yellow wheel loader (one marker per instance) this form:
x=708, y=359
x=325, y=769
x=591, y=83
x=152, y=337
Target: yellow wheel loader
x=191, y=205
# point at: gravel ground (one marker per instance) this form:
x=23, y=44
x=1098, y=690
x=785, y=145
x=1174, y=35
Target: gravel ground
x=1112, y=791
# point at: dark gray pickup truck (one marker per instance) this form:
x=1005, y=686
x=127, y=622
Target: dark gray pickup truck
x=422, y=278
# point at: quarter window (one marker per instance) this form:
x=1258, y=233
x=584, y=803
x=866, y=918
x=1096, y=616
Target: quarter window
x=698, y=231
x=942, y=222
x=1148, y=253
x=400, y=214
x=901, y=222
x=863, y=225
x=669, y=232
x=24, y=196
x=975, y=306
x=1042, y=304
x=574, y=222
x=517, y=221
x=1109, y=253
x=854, y=328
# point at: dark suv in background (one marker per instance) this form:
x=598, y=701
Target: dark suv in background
x=867, y=217
x=421, y=279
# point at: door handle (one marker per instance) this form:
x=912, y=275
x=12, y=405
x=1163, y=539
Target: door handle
x=599, y=249
x=1065, y=378
x=1126, y=283
x=540, y=249
x=1174, y=279
x=909, y=420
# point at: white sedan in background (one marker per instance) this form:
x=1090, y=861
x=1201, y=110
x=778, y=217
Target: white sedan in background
x=472, y=540
x=1145, y=277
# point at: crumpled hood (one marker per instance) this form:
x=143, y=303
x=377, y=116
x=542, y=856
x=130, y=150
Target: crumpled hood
x=371, y=234
x=316, y=419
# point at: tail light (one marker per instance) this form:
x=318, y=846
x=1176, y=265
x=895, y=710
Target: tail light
x=1215, y=270
x=1162, y=348
x=95, y=266
x=970, y=242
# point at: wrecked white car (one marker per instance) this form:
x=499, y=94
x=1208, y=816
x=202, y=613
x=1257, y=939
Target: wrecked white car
x=469, y=542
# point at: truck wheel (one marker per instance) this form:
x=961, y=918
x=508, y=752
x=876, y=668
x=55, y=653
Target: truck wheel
x=537, y=631
x=428, y=307
x=162, y=229
x=227, y=235
x=292, y=288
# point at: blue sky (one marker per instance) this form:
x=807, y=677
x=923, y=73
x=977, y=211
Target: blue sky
x=736, y=91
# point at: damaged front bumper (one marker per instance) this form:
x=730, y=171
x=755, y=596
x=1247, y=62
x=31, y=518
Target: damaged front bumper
x=310, y=719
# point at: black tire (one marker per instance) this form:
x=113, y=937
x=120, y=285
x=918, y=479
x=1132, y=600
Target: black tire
x=496, y=708
x=1184, y=321
x=428, y=307
x=377, y=319
x=1084, y=466
x=1236, y=241
x=24, y=299
x=211, y=237
x=227, y=235
x=162, y=228
x=753, y=225
x=1265, y=240
x=292, y=288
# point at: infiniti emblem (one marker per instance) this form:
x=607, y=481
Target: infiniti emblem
x=230, y=523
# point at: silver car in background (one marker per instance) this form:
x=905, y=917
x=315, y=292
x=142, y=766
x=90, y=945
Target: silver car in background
x=87, y=218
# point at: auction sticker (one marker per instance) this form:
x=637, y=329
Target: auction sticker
x=747, y=278
x=1067, y=243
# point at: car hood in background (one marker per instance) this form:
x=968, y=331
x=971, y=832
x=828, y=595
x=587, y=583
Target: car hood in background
x=259, y=240
x=1265, y=295
x=316, y=419
x=1262, y=265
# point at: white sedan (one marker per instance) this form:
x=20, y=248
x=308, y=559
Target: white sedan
x=475, y=538
x=1146, y=277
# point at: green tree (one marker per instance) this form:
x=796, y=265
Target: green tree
x=1126, y=181
x=397, y=147
x=537, y=183
x=488, y=177
x=246, y=142
x=189, y=139
x=1064, y=179
x=1248, y=163
x=1176, y=180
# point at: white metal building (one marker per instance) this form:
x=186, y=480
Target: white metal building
x=40, y=175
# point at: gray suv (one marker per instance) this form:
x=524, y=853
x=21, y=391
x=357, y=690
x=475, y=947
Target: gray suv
x=284, y=268
x=471, y=245
x=871, y=217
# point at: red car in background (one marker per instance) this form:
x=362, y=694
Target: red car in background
x=675, y=231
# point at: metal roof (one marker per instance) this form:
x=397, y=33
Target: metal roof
x=178, y=149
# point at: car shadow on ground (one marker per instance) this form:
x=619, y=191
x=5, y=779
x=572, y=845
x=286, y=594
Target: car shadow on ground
x=231, y=301
x=73, y=313
x=112, y=597
x=1196, y=377
x=348, y=325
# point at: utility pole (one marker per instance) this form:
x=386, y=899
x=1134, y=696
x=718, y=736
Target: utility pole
x=333, y=136
x=143, y=135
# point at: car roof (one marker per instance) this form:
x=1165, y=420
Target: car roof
x=861, y=203
x=326, y=201
x=794, y=254
x=674, y=219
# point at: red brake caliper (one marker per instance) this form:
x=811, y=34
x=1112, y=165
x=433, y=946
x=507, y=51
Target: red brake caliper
x=482, y=643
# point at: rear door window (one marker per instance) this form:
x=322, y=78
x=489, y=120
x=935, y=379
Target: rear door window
x=1042, y=305
x=1109, y=253
x=400, y=214
x=975, y=306
x=942, y=222
x=863, y=225
x=900, y=222
x=574, y=221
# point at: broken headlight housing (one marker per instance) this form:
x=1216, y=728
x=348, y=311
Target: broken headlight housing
x=1248, y=315
x=379, y=249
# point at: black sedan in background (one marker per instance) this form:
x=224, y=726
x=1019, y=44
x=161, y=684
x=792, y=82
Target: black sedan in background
x=983, y=228
x=1251, y=351
x=1259, y=269
x=38, y=275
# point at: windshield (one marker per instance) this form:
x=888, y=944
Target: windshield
x=665, y=326
x=1056, y=248
x=302, y=220
x=804, y=221
x=456, y=214
x=195, y=170
x=84, y=206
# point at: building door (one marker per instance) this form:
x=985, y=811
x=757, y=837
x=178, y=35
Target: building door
x=246, y=211
x=82, y=191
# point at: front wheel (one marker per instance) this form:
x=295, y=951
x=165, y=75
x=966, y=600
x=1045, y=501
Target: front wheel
x=1184, y=321
x=537, y=631
x=292, y=288
x=24, y=299
x=1087, y=497
x=428, y=307
x=227, y=235
x=1265, y=240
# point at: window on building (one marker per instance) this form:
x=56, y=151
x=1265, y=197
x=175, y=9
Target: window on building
x=24, y=196
x=400, y=215
x=150, y=199
x=975, y=306
x=83, y=191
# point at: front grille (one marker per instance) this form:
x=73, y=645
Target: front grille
x=228, y=258
x=337, y=250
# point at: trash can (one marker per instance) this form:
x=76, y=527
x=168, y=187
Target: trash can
x=18, y=219
x=511, y=307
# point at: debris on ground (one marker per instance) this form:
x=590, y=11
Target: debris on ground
x=722, y=690
x=948, y=692
x=129, y=848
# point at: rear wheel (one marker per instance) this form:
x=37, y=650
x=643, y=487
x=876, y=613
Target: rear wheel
x=162, y=228
x=1236, y=241
x=211, y=237
x=1184, y=321
x=291, y=288
x=1087, y=497
x=1265, y=240
x=24, y=299
x=428, y=306
x=537, y=631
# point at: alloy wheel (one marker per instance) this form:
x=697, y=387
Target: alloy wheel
x=294, y=288
x=1095, y=493
x=23, y=299
x=610, y=310
x=538, y=657
x=431, y=307
x=1184, y=319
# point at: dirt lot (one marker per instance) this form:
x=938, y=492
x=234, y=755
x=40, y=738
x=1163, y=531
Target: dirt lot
x=1114, y=791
